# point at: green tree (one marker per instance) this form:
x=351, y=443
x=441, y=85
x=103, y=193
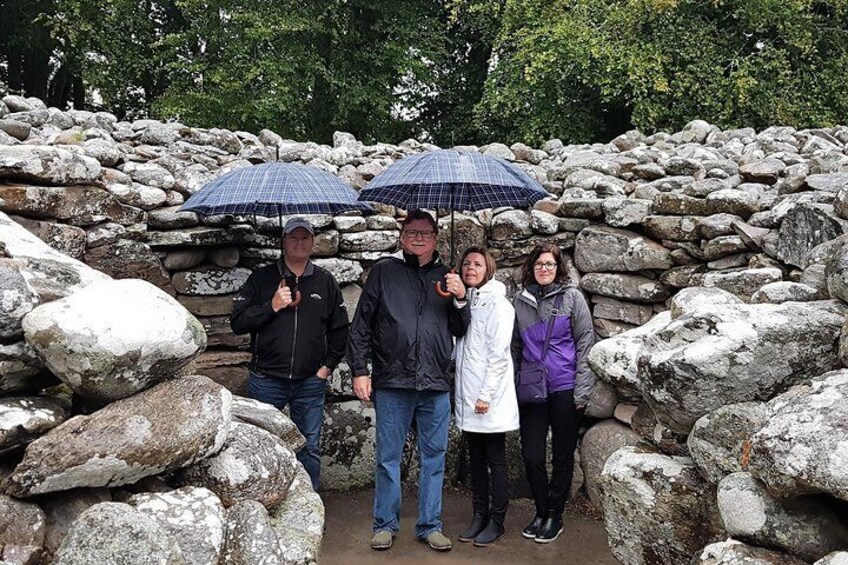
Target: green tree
x=587, y=70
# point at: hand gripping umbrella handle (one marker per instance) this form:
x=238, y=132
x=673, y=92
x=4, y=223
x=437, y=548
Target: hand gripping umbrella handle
x=443, y=293
x=297, y=296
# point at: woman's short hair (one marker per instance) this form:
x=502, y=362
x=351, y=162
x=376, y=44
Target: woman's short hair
x=528, y=270
x=419, y=214
x=491, y=267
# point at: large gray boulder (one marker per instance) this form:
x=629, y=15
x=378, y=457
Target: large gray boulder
x=835, y=558
x=111, y=532
x=253, y=464
x=169, y=426
x=600, y=248
x=718, y=355
x=657, y=508
x=270, y=419
x=16, y=299
x=615, y=359
x=719, y=441
x=599, y=442
x=46, y=165
x=636, y=288
x=299, y=522
x=250, y=539
x=63, y=509
x=806, y=527
x=194, y=517
x=99, y=340
x=802, y=448
x=804, y=227
x=22, y=526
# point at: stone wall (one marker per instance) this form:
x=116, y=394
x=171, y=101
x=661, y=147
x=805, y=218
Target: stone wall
x=713, y=260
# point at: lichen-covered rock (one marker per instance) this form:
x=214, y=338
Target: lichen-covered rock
x=802, y=448
x=732, y=552
x=22, y=526
x=268, y=418
x=62, y=510
x=724, y=354
x=194, y=517
x=299, y=522
x=835, y=558
x=614, y=359
x=69, y=240
x=786, y=291
x=743, y=283
x=805, y=527
x=206, y=281
x=343, y=270
x=657, y=508
x=21, y=371
x=512, y=224
x=635, y=288
x=16, y=299
x=368, y=241
x=599, y=442
x=161, y=429
x=112, y=532
x=23, y=419
x=253, y=464
x=720, y=440
x=125, y=259
x=45, y=164
x=628, y=312
x=250, y=539
x=81, y=205
x=600, y=249
x=86, y=340
x=602, y=401
x=348, y=446
x=690, y=299
x=805, y=226
x=624, y=212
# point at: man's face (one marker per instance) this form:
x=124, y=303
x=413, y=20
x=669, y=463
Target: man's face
x=418, y=238
x=297, y=244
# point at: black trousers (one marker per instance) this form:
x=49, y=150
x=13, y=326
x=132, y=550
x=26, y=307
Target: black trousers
x=560, y=416
x=488, y=474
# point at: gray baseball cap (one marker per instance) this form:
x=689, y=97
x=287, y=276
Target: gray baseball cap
x=294, y=223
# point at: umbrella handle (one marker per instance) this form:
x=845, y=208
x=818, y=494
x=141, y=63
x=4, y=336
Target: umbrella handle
x=443, y=293
x=297, y=295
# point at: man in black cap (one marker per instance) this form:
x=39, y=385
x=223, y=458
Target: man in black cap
x=298, y=325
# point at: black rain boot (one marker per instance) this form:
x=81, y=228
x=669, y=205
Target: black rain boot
x=477, y=525
x=493, y=532
x=533, y=527
x=550, y=529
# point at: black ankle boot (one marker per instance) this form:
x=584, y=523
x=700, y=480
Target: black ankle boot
x=550, y=529
x=493, y=532
x=477, y=525
x=533, y=527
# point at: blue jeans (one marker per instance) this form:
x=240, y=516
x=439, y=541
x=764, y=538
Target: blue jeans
x=395, y=409
x=306, y=405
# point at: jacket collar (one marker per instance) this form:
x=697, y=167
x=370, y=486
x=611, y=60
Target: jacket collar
x=286, y=272
x=412, y=260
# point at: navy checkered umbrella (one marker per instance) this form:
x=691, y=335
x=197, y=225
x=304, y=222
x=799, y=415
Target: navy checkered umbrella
x=453, y=180
x=274, y=189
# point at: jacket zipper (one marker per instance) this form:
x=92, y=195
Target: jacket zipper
x=294, y=337
x=256, y=351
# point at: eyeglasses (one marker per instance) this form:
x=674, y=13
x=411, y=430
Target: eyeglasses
x=547, y=266
x=423, y=234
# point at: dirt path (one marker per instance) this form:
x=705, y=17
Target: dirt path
x=584, y=541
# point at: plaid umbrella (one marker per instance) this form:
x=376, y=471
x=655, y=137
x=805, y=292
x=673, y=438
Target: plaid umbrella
x=455, y=180
x=274, y=189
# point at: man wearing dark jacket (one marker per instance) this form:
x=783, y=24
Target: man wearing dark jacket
x=405, y=329
x=295, y=314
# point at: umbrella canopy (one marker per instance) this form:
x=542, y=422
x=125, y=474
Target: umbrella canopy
x=454, y=180
x=273, y=189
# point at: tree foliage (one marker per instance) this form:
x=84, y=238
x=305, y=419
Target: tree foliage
x=588, y=69
x=451, y=71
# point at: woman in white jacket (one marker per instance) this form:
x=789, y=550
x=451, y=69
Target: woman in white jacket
x=486, y=405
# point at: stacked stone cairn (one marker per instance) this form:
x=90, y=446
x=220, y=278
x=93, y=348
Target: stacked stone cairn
x=716, y=266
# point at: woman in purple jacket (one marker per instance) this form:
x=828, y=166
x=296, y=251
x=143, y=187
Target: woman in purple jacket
x=569, y=381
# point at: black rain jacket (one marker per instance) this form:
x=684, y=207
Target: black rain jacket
x=296, y=341
x=403, y=327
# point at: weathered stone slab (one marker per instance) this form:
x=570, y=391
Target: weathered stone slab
x=299, y=521
x=635, y=288
x=210, y=281
x=22, y=419
x=600, y=248
x=84, y=205
x=45, y=164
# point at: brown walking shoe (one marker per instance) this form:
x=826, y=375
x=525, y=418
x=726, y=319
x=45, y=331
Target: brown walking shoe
x=438, y=541
x=382, y=540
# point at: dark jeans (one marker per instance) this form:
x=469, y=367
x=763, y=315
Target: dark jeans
x=305, y=399
x=560, y=415
x=488, y=474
